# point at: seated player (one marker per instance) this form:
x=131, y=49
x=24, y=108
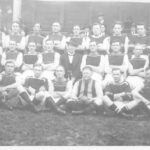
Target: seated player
x=118, y=96
x=57, y=37
x=60, y=87
x=30, y=58
x=36, y=37
x=71, y=61
x=95, y=61
x=11, y=88
x=118, y=36
x=137, y=66
x=12, y=54
x=116, y=59
x=38, y=89
x=49, y=59
x=86, y=94
x=101, y=40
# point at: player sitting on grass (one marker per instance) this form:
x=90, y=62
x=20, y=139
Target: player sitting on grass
x=37, y=87
x=10, y=88
x=86, y=94
x=118, y=96
x=61, y=87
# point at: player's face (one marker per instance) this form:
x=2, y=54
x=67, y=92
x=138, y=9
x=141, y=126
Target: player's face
x=102, y=28
x=117, y=29
x=141, y=30
x=49, y=45
x=116, y=75
x=56, y=27
x=9, y=68
x=15, y=27
x=12, y=45
x=96, y=30
x=32, y=47
x=115, y=47
x=86, y=74
x=37, y=28
x=138, y=51
x=71, y=48
x=60, y=72
x=93, y=47
x=37, y=71
x=76, y=30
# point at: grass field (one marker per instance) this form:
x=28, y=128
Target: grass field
x=26, y=128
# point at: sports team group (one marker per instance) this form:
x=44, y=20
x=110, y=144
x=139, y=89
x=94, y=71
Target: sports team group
x=88, y=72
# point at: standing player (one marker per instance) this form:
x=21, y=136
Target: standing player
x=78, y=40
x=117, y=36
x=36, y=37
x=16, y=36
x=57, y=37
x=101, y=40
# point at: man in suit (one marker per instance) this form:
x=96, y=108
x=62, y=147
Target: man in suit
x=71, y=61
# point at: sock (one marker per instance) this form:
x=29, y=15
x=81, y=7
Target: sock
x=25, y=97
x=61, y=101
x=49, y=102
x=113, y=107
x=125, y=110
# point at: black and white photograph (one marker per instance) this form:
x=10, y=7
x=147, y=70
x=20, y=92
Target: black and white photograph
x=74, y=73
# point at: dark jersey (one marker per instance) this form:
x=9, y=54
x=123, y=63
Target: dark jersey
x=116, y=60
x=48, y=57
x=93, y=60
x=36, y=83
x=7, y=80
x=113, y=88
x=138, y=63
x=11, y=55
x=30, y=59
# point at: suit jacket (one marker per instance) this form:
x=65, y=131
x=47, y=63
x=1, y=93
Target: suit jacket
x=74, y=67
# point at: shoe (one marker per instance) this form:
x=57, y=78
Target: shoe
x=60, y=111
x=77, y=113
